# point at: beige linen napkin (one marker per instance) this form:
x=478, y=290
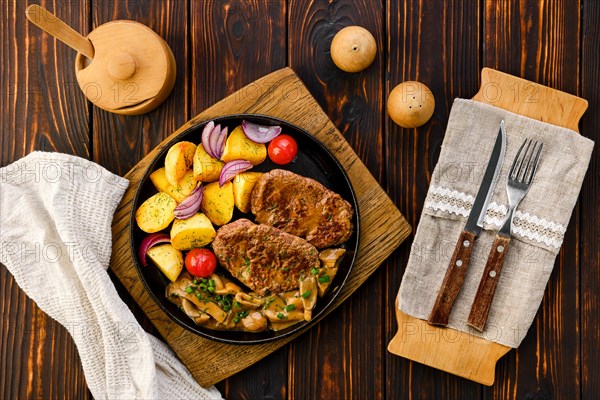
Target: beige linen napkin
x=539, y=225
x=56, y=212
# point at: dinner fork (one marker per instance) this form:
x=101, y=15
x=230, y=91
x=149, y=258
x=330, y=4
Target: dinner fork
x=520, y=177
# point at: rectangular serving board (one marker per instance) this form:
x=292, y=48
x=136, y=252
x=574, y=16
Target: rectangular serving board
x=465, y=355
x=280, y=94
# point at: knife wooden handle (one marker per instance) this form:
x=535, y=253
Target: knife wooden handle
x=487, y=286
x=455, y=276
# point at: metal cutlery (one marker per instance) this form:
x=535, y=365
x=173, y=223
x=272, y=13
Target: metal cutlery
x=520, y=177
x=459, y=263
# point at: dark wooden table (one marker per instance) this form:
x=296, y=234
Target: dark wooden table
x=222, y=45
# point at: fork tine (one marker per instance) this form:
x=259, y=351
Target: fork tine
x=521, y=170
x=514, y=164
x=529, y=161
x=535, y=164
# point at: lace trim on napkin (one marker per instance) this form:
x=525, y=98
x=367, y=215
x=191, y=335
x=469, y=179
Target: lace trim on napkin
x=524, y=224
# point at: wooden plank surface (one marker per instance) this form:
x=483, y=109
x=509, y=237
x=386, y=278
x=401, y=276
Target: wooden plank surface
x=528, y=39
x=589, y=210
x=353, y=102
x=43, y=109
x=222, y=45
x=438, y=44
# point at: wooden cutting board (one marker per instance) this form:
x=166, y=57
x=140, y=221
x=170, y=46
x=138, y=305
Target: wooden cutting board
x=447, y=349
x=280, y=94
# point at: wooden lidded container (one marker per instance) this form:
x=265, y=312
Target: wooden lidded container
x=132, y=71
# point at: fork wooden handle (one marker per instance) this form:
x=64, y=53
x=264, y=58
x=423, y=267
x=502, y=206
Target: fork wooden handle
x=487, y=286
x=453, y=281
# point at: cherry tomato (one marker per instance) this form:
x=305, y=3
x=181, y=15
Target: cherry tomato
x=283, y=149
x=200, y=262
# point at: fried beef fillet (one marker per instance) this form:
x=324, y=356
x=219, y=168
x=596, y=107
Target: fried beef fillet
x=262, y=257
x=303, y=207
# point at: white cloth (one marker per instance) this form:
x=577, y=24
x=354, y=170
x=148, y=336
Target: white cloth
x=56, y=213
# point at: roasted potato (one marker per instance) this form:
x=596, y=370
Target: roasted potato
x=206, y=167
x=242, y=189
x=180, y=191
x=239, y=147
x=156, y=213
x=196, y=231
x=217, y=202
x=179, y=159
x=168, y=259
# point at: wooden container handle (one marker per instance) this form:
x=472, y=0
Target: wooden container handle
x=44, y=19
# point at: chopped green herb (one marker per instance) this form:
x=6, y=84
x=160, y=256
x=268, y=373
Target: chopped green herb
x=280, y=316
x=211, y=283
x=202, y=287
x=189, y=290
x=324, y=279
x=314, y=271
x=211, y=289
x=195, y=281
x=268, y=302
x=236, y=320
x=237, y=304
x=246, y=261
x=306, y=294
x=290, y=307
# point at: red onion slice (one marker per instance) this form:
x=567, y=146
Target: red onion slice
x=232, y=168
x=190, y=205
x=220, y=143
x=260, y=133
x=206, y=134
x=150, y=241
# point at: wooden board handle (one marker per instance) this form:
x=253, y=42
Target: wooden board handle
x=530, y=99
x=453, y=281
x=44, y=19
x=487, y=285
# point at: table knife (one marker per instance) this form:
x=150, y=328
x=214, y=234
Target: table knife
x=459, y=263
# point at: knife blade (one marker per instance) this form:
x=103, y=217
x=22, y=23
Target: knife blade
x=459, y=263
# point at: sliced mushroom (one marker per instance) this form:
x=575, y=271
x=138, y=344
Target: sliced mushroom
x=192, y=311
x=284, y=316
x=330, y=258
x=308, y=290
x=223, y=286
x=247, y=301
x=297, y=302
x=255, y=322
x=324, y=285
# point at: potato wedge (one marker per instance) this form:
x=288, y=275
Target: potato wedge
x=179, y=159
x=217, y=202
x=180, y=191
x=239, y=147
x=196, y=231
x=168, y=259
x=156, y=213
x=243, y=183
x=206, y=167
